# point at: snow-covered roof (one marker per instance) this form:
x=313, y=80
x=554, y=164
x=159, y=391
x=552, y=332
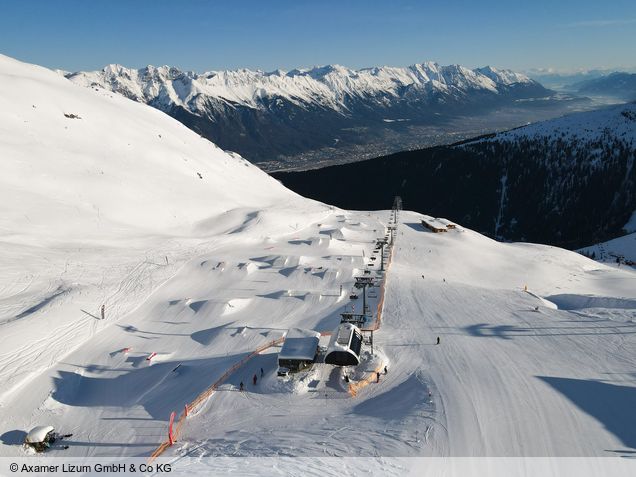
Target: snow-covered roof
x=300, y=344
x=342, y=337
x=446, y=222
x=38, y=434
x=437, y=223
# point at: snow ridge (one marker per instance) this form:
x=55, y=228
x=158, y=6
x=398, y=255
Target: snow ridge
x=331, y=86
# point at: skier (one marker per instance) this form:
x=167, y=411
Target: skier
x=386, y=370
x=437, y=340
x=254, y=379
x=262, y=372
x=241, y=386
x=377, y=377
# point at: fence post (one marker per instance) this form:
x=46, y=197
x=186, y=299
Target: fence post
x=170, y=436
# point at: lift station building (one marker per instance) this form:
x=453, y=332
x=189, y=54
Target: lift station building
x=299, y=349
x=344, y=347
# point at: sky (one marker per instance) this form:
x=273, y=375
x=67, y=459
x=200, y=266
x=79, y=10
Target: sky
x=204, y=35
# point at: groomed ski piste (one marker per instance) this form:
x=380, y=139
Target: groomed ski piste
x=537, y=344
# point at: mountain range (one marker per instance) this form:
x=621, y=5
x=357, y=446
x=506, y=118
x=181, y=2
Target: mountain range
x=274, y=116
x=617, y=85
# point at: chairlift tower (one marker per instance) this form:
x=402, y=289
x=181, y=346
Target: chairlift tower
x=357, y=319
x=397, y=206
x=392, y=232
x=381, y=244
x=363, y=283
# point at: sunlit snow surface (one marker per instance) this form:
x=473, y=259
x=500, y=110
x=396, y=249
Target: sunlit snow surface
x=202, y=271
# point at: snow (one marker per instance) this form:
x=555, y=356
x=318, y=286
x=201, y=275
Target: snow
x=300, y=344
x=506, y=77
x=537, y=344
x=103, y=209
x=619, y=121
x=326, y=86
x=624, y=247
x=38, y=434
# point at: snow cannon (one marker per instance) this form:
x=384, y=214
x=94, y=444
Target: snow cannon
x=40, y=438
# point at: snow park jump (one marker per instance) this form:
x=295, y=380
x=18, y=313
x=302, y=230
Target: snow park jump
x=333, y=356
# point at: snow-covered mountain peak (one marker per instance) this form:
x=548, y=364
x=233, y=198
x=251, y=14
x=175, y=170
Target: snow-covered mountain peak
x=326, y=86
x=502, y=76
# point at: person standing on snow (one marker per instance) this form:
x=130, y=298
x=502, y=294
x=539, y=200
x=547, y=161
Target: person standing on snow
x=254, y=379
x=437, y=340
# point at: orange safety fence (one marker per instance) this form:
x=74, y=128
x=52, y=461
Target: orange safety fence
x=201, y=398
x=378, y=315
x=355, y=387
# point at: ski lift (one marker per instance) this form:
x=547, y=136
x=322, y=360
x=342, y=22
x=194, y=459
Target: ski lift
x=353, y=296
x=372, y=294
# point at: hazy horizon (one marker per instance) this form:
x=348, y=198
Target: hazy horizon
x=195, y=35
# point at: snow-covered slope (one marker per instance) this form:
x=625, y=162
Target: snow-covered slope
x=615, y=122
x=330, y=86
x=75, y=159
x=622, y=248
x=101, y=199
x=537, y=343
x=505, y=380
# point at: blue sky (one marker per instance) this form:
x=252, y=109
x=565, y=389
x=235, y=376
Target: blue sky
x=268, y=34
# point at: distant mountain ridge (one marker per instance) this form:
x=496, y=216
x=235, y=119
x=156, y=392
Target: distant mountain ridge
x=264, y=115
x=569, y=181
x=618, y=85
x=330, y=87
